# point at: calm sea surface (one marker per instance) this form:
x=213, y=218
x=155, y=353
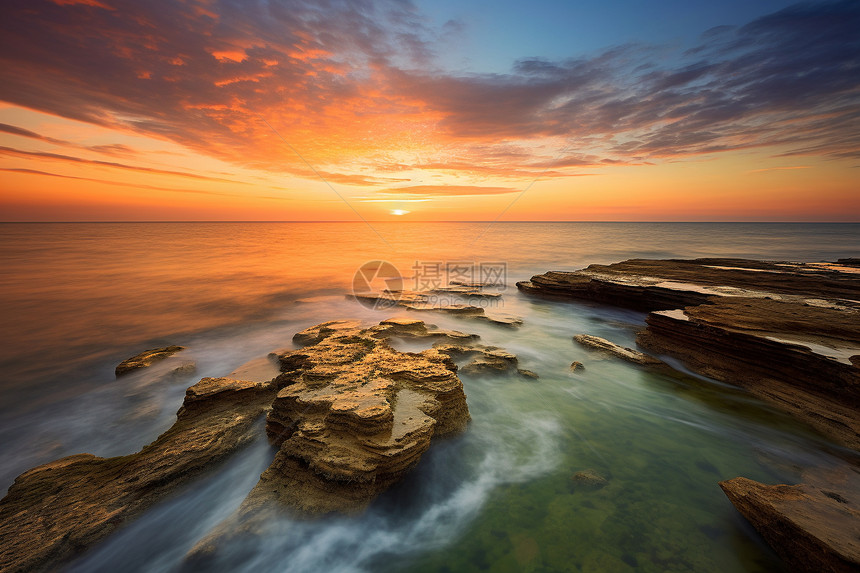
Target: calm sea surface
x=79, y=298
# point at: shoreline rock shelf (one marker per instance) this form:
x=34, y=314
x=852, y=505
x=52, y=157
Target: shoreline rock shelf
x=788, y=333
x=349, y=414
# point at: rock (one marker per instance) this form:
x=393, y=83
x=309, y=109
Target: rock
x=146, y=358
x=356, y=416
x=352, y=417
x=184, y=369
x=628, y=354
x=589, y=479
x=794, y=356
x=786, y=332
x=502, y=319
x=55, y=511
x=646, y=284
x=486, y=359
x=317, y=333
x=576, y=366
x=527, y=373
x=814, y=526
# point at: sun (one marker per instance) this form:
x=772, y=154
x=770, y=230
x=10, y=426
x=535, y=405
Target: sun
x=399, y=212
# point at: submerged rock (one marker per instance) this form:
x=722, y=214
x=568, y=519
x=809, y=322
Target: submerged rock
x=485, y=359
x=56, y=510
x=628, y=354
x=576, y=366
x=146, y=358
x=589, y=479
x=814, y=526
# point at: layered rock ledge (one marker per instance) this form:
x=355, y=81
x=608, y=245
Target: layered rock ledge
x=787, y=332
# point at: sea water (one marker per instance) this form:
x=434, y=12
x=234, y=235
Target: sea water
x=79, y=298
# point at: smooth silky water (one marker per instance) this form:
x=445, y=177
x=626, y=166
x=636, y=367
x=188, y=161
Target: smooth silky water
x=79, y=298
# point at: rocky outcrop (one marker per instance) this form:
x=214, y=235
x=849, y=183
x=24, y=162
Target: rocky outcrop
x=787, y=332
x=647, y=284
x=814, y=526
x=602, y=345
x=352, y=417
x=57, y=510
x=146, y=358
x=355, y=414
x=794, y=356
x=349, y=414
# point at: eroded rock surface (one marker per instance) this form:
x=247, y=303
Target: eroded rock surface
x=354, y=414
x=57, y=510
x=814, y=526
x=146, y=358
x=352, y=417
x=787, y=332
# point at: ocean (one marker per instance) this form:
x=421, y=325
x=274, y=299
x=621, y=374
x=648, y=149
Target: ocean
x=78, y=298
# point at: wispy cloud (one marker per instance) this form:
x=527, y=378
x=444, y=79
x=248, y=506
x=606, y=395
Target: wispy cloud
x=354, y=86
x=449, y=190
x=787, y=168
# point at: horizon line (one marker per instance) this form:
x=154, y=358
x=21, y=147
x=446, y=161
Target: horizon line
x=828, y=222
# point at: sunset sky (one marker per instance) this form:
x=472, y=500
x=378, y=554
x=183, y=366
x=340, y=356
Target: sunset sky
x=611, y=110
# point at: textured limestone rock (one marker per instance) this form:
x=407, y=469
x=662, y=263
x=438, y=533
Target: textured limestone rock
x=628, y=354
x=54, y=511
x=146, y=358
x=814, y=526
x=354, y=414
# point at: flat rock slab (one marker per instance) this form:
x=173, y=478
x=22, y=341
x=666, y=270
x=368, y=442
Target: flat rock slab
x=814, y=526
x=628, y=354
x=146, y=358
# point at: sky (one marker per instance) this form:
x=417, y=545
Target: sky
x=612, y=110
